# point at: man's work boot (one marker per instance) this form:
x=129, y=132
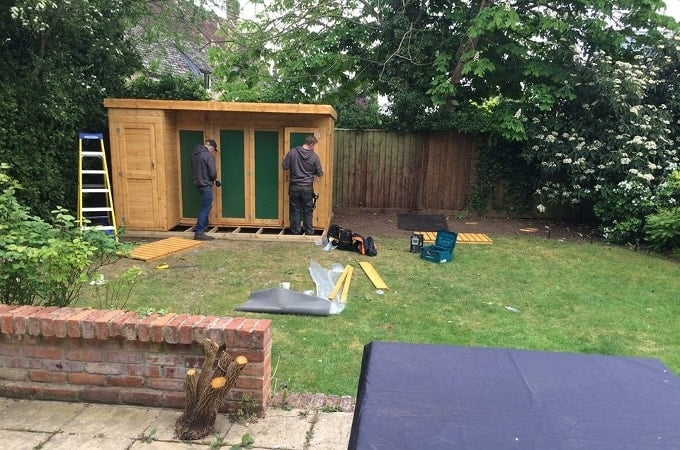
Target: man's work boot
x=203, y=237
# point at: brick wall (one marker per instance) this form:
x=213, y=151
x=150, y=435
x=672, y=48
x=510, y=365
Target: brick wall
x=116, y=357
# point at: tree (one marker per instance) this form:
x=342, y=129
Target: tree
x=437, y=62
x=59, y=60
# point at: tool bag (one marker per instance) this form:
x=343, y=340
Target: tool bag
x=345, y=239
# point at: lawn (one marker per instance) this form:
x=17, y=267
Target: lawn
x=521, y=292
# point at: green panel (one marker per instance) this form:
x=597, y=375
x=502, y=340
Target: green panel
x=297, y=139
x=232, y=151
x=191, y=200
x=267, y=165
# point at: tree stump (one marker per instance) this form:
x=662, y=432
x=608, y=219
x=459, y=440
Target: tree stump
x=205, y=392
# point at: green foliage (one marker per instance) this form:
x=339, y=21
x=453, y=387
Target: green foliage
x=504, y=168
x=114, y=293
x=663, y=230
x=167, y=86
x=45, y=263
x=614, y=145
x=60, y=59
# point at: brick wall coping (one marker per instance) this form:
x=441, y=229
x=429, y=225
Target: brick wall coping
x=171, y=328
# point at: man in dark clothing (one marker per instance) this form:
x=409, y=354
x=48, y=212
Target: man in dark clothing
x=303, y=164
x=205, y=175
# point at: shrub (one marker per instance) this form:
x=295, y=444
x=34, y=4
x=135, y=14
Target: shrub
x=663, y=230
x=46, y=263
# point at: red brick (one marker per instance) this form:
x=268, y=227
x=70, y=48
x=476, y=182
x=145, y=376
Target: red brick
x=116, y=324
x=7, y=316
x=199, y=332
x=129, y=328
x=73, y=323
x=20, y=317
x=42, y=352
x=102, y=325
x=174, y=399
x=171, y=329
x=33, y=321
x=231, y=336
x=87, y=378
x=217, y=328
x=165, y=384
x=245, y=332
x=47, y=322
x=158, y=325
x=64, y=366
x=142, y=397
x=46, y=376
x=60, y=324
x=6, y=308
x=88, y=329
x=119, y=356
x=252, y=355
x=125, y=381
x=143, y=328
x=187, y=327
x=110, y=395
x=262, y=331
x=83, y=354
x=57, y=392
x=248, y=383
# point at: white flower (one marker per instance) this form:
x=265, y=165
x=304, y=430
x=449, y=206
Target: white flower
x=625, y=160
x=541, y=208
x=566, y=160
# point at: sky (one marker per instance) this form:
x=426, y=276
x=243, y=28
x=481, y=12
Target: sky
x=673, y=8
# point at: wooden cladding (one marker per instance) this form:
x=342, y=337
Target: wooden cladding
x=403, y=170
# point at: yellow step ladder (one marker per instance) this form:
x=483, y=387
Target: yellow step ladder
x=94, y=188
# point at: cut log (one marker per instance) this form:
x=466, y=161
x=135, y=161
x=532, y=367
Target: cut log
x=204, y=395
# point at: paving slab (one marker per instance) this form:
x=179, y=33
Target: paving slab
x=331, y=431
x=278, y=429
x=163, y=426
x=22, y=440
x=111, y=421
x=40, y=416
x=62, y=441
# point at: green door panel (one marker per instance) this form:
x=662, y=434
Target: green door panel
x=191, y=200
x=267, y=165
x=232, y=158
x=297, y=139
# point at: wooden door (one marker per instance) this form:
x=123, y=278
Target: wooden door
x=139, y=196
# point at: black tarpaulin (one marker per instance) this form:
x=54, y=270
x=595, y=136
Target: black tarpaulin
x=413, y=396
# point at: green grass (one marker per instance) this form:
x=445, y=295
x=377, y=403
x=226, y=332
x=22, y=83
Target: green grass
x=570, y=297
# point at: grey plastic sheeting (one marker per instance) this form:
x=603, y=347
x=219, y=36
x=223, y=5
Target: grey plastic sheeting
x=284, y=301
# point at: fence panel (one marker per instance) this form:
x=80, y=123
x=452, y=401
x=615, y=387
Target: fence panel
x=402, y=170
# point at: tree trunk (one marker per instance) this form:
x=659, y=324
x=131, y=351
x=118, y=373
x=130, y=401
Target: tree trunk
x=205, y=394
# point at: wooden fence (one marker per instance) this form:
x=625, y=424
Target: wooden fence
x=403, y=170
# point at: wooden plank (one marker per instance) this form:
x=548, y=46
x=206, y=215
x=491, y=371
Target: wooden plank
x=373, y=275
x=473, y=238
x=338, y=285
x=164, y=247
x=348, y=278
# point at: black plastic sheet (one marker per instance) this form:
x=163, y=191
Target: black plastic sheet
x=413, y=396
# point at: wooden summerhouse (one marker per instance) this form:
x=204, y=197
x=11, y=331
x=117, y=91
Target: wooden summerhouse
x=151, y=142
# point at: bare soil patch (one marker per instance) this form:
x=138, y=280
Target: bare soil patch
x=369, y=223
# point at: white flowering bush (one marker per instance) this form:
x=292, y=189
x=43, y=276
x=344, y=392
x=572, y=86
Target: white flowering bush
x=615, y=145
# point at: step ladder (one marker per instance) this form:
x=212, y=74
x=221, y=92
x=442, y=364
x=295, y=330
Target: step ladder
x=95, y=203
